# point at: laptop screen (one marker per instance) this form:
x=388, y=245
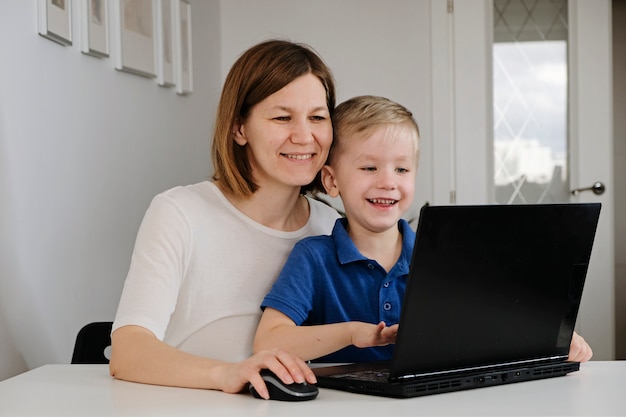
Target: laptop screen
x=492, y=285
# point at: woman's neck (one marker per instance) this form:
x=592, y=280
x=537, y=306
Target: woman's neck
x=281, y=209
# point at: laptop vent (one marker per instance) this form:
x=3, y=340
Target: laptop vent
x=436, y=386
x=558, y=370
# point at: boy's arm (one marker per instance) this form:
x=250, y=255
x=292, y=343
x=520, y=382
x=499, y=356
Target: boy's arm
x=276, y=330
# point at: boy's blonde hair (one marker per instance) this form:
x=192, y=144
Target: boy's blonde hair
x=362, y=114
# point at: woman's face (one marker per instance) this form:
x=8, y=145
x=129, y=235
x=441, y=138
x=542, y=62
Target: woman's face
x=288, y=134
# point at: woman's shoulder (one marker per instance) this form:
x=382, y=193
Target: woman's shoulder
x=182, y=191
x=201, y=192
x=323, y=216
x=321, y=208
x=189, y=199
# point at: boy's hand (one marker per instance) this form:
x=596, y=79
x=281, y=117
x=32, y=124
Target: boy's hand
x=368, y=335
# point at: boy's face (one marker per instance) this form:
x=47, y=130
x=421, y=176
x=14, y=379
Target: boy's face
x=375, y=176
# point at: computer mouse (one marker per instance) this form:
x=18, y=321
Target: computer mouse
x=280, y=391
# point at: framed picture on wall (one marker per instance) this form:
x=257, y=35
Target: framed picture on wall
x=164, y=43
x=54, y=20
x=133, y=24
x=183, y=73
x=95, y=27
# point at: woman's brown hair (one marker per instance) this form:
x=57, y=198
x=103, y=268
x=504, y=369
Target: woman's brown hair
x=259, y=72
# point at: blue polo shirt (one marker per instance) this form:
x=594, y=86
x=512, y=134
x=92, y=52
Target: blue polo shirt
x=327, y=280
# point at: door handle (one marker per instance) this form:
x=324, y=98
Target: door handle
x=597, y=188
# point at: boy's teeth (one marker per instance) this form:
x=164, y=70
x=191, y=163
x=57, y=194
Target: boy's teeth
x=381, y=201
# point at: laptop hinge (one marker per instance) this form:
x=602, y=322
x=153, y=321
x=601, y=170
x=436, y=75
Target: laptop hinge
x=551, y=359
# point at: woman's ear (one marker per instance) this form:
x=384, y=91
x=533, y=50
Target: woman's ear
x=328, y=180
x=239, y=133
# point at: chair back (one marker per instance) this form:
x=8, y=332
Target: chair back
x=93, y=343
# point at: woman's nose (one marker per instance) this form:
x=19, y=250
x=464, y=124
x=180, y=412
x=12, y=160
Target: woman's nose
x=301, y=132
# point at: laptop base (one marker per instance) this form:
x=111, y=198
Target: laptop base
x=343, y=378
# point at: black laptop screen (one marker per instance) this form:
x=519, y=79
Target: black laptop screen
x=494, y=284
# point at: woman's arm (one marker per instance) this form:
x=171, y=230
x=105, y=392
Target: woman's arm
x=138, y=356
x=276, y=330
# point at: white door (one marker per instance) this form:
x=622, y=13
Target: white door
x=463, y=173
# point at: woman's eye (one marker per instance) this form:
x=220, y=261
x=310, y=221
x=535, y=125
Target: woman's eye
x=282, y=118
x=318, y=118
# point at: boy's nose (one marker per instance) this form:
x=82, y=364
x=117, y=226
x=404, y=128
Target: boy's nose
x=386, y=179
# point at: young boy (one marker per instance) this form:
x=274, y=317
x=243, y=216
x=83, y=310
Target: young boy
x=338, y=297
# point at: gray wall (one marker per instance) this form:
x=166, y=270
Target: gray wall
x=83, y=148
x=373, y=47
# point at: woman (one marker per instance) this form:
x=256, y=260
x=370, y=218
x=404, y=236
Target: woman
x=206, y=254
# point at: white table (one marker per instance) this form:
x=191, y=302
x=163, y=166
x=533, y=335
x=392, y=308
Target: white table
x=599, y=388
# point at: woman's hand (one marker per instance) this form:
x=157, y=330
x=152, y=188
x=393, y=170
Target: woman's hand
x=289, y=368
x=579, y=350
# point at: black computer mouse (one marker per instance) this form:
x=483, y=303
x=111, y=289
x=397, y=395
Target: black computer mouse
x=280, y=391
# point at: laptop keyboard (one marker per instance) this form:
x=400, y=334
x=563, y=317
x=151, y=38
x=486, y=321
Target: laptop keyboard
x=379, y=375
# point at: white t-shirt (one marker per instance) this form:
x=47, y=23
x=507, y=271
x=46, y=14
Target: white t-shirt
x=200, y=269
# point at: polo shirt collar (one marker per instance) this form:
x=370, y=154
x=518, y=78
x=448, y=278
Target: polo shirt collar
x=347, y=252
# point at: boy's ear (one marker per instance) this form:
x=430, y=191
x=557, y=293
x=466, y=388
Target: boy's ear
x=239, y=134
x=328, y=180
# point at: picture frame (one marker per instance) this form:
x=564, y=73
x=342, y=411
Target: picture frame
x=164, y=44
x=54, y=20
x=133, y=24
x=183, y=68
x=95, y=28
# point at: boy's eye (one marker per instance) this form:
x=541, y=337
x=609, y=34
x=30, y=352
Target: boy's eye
x=402, y=170
x=369, y=169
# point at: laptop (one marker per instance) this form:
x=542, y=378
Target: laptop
x=492, y=298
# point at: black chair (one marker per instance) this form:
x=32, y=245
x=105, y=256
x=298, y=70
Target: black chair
x=92, y=342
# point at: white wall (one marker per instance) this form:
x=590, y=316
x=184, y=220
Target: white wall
x=83, y=148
